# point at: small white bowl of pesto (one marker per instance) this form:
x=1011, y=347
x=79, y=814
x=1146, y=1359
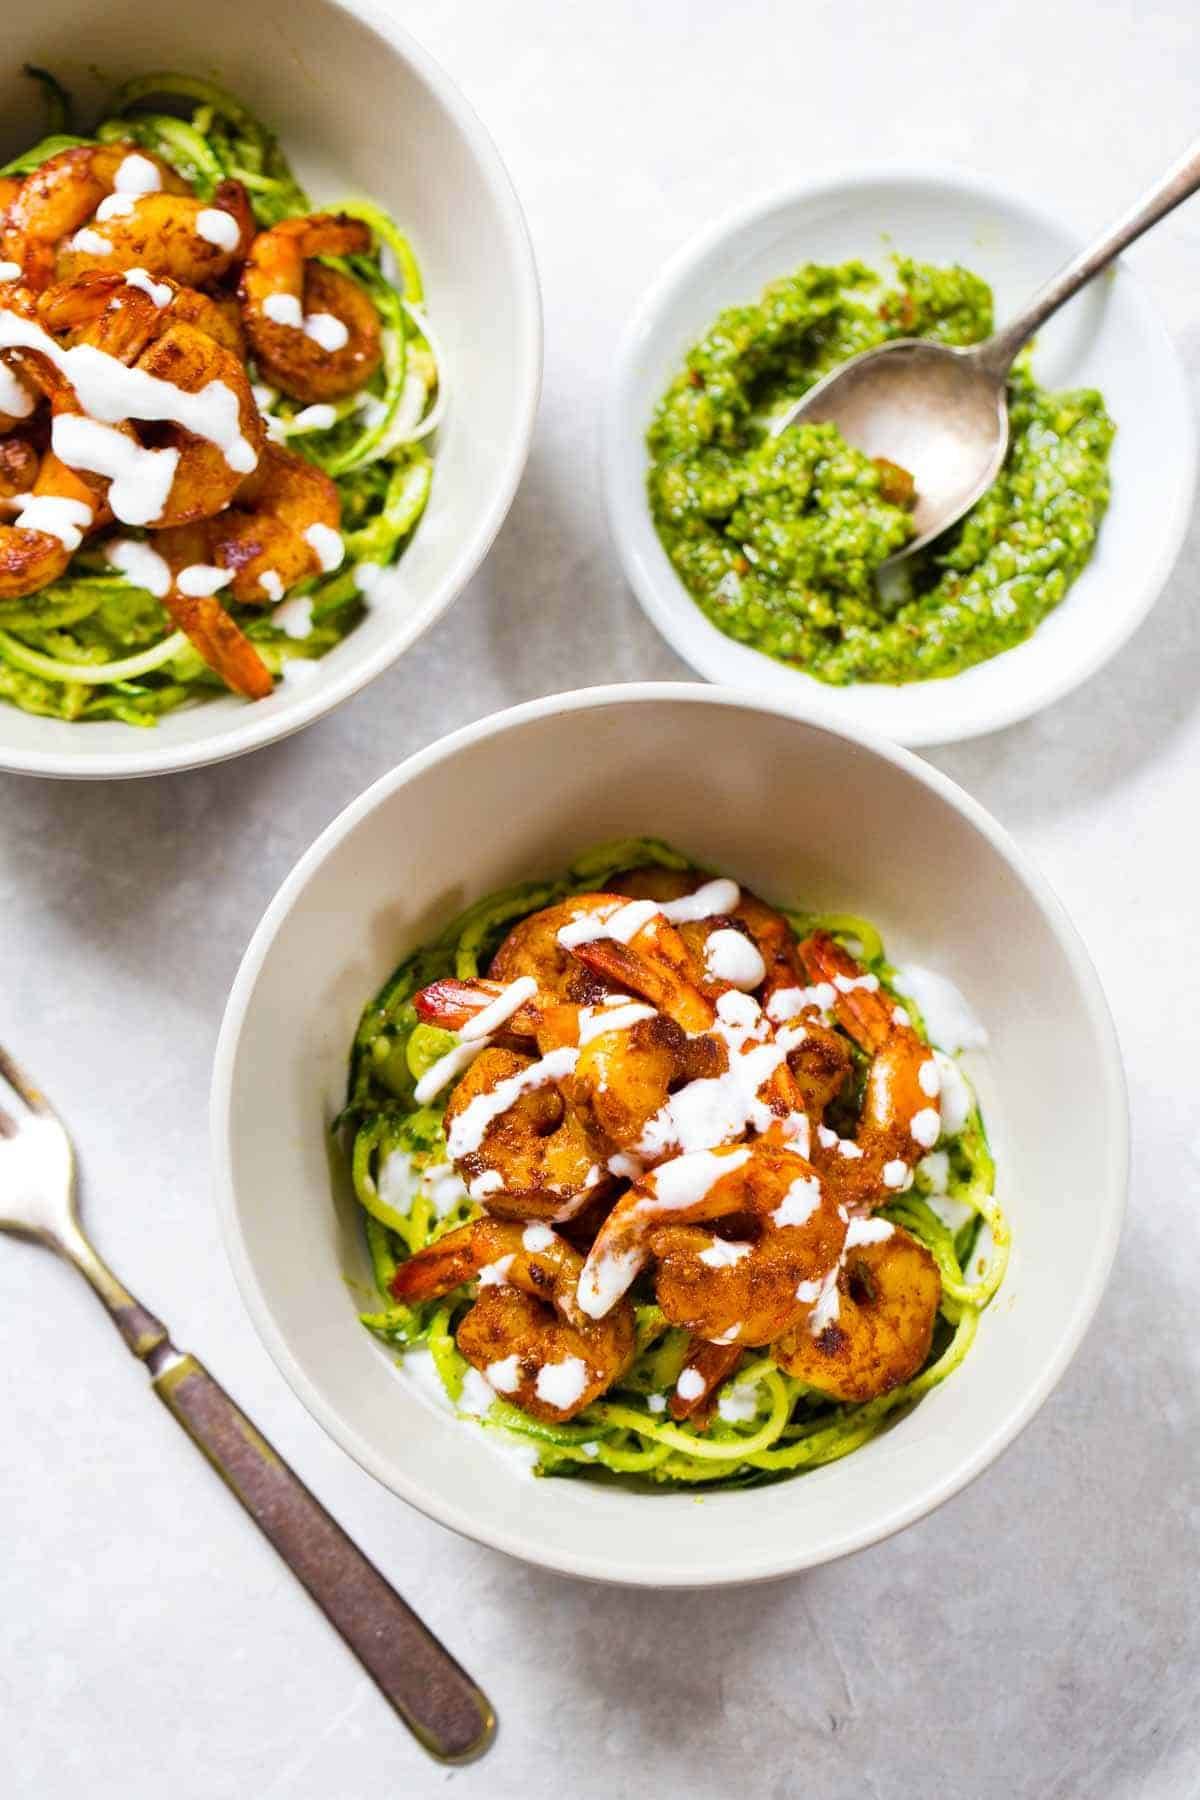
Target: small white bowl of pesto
x=761, y=558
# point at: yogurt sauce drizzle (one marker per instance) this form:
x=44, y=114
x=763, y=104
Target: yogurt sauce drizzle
x=110, y=392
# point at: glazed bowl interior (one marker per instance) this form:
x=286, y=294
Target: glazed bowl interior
x=1110, y=337
x=802, y=812
x=360, y=110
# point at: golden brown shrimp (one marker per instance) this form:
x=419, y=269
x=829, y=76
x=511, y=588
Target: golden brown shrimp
x=31, y=557
x=901, y=1116
x=705, y=1368
x=18, y=465
x=218, y=638
x=525, y=1333
x=766, y=928
x=785, y=1235
x=126, y=322
x=194, y=242
x=532, y=948
x=516, y=1139
x=888, y=1293
x=314, y=332
x=266, y=537
x=61, y=195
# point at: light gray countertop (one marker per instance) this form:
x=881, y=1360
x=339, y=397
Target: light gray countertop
x=1038, y=1638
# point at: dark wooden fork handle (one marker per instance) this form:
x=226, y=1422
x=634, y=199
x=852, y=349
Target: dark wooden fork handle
x=417, y=1676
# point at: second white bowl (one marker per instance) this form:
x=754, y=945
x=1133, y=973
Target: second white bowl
x=1110, y=337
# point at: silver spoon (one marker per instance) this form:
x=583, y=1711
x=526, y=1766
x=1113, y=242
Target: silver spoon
x=416, y=1675
x=941, y=412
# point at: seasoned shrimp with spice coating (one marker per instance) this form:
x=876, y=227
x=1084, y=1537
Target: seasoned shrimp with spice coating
x=900, y=1119
x=66, y=191
x=124, y=322
x=194, y=242
x=314, y=331
x=784, y=1231
x=525, y=1333
x=874, y=1326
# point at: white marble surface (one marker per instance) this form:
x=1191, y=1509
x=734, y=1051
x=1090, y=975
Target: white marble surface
x=1037, y=1639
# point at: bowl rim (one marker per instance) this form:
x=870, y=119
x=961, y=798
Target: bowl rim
x=763, y=1565
x=662, y=600
x=323, y=697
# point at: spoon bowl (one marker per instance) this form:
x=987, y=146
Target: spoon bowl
x=926, y=406
x=941, y=413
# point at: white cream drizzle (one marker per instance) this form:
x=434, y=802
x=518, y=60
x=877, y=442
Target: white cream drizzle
x=724, y=1253
x=217, y=227
x=91, y=243
x=140, y=480
x=717, y=1109
x=200, y=580
x=498, y=1011
x=66, y=520
x=598, y=1021
x=561, y=1384
x=158, y=291
x=469, y=1127
x=136, y=174
x=327, y=543
x=731, y=956
x=505, y=1375
x=109, y=391
x=141, y=565
x=457, y=1058
x=294, y=617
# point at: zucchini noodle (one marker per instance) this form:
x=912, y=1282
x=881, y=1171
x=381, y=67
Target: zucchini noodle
x=769, y=1424
x=93, y=645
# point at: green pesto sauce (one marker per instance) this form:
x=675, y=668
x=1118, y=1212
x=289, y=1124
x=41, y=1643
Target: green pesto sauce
x=779, y=540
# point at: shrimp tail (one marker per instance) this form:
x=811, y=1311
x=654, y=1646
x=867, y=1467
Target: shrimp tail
x=221, y=642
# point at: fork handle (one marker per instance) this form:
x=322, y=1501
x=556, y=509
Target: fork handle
x=417, y=1676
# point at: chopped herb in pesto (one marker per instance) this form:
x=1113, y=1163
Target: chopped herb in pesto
x=779, y=540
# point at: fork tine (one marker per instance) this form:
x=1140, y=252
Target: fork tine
x=30, y=1093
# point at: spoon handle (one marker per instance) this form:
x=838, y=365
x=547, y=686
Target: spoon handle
x=1181, y=180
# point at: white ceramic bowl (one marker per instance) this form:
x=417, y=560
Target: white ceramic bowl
x=360, y=108
x=1110, y=337
x=802, y=808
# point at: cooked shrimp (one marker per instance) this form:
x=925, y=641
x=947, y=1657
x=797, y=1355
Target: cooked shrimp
x=878, y=1332
x=194, y=242
x=652, y=960
x=517, y=1140
x=266, y=537
x=30, y=557
x=762, y=925
x=532, y=948
x=314, y=332
x=629, y=1055
x=18, y=466
x=219, y=639
x=64, y=193
x=705, y=1368
x=525, y=1333
x=901, y=1117
x=126, y=322
x=747, y=1288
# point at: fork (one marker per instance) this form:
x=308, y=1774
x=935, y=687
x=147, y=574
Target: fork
x=433, y=1695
